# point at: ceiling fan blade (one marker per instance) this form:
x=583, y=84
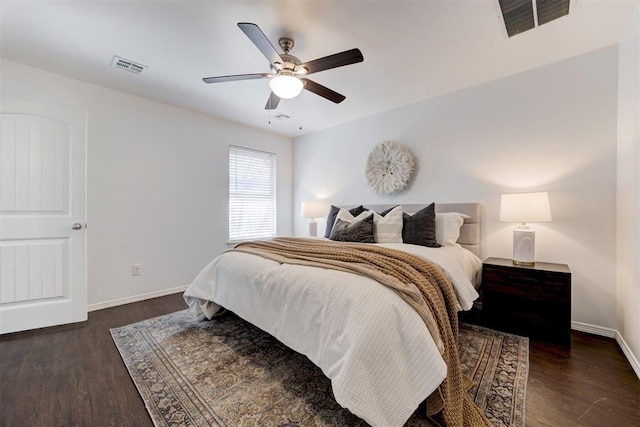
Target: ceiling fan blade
x=332, y=61
x=272, y=102
x=323, y=91
x=261, y=41
x=235, y=77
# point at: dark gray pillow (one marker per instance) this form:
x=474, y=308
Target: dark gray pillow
x=333, y=213
x=387, y=211
x=358, y=231
x=420, y=228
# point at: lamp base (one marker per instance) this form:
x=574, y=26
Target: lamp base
x=313, y=228
x=524, y=247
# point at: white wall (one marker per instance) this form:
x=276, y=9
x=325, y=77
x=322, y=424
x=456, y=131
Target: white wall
x=629, y=189
x=550, y=129
x=157, y=182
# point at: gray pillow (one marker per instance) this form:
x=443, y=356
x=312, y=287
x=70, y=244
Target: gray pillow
x=333, y=213
x=358, y=231
x=420, y=228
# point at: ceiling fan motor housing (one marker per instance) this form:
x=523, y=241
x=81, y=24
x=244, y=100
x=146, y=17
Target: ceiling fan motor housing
x=291, y=62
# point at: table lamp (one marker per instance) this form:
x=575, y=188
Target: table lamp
x=313, y=210
x=524, y=208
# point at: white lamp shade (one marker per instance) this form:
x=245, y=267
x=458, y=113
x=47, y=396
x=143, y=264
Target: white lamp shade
x=314, y=209
x=286, y=87
x=525, y=207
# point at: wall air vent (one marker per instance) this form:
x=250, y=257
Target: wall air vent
x=523, y=15
x=127, y=65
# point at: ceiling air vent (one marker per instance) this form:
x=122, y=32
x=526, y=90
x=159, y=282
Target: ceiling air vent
x=548, y=10
x=127, y=65
x=281, y=116
x=518, y=15
x=523, y=15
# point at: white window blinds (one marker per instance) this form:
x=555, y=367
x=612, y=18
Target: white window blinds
x=252, y=194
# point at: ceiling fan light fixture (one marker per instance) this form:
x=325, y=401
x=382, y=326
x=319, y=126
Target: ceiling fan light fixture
x=285, y=86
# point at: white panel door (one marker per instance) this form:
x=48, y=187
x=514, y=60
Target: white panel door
x=42, y=217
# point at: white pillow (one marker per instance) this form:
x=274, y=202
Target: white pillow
x=345, y=215
x=448, y=227
x=388, y=228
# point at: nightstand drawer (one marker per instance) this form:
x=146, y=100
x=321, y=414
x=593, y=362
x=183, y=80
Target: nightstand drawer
x=502, y=308
x=534, y=286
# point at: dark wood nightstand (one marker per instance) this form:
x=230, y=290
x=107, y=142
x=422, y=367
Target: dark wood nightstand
x=531, y=301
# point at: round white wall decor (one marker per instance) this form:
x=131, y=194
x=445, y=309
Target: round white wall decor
x=389, y=167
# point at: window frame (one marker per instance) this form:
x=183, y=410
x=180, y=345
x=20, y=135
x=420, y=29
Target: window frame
x=245, y=197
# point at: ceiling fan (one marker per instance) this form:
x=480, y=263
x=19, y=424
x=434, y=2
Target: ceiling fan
x=287, y=71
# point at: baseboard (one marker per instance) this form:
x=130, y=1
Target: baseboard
x=593, y=329
x=135, y=298
x=633, y=360
x=610, y=333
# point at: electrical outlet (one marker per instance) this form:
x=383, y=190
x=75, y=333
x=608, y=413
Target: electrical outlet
x=136, y=269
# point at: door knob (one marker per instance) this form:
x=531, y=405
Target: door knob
x=76, y=226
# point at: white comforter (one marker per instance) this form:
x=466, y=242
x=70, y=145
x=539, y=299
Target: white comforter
x=375, y=349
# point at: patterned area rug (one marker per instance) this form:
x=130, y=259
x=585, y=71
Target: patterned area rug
x=226, y=372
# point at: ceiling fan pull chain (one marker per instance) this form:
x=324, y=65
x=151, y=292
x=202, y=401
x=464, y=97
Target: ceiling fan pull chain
x=301, y=107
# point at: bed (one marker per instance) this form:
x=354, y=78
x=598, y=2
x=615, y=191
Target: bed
x=375, y=349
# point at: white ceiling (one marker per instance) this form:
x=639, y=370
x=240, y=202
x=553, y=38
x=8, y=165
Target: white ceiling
x=413, y=50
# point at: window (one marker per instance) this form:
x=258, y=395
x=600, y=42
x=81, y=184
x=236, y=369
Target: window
x=252, y=194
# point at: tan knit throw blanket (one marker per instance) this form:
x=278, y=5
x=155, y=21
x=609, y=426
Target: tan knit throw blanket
x=417, y=281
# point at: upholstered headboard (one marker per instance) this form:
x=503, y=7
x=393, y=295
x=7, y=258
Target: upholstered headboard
x=470, y=231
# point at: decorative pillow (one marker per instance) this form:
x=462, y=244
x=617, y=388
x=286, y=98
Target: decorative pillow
x=420, y=228
x=448, y=227
x=360, y=230
x=387, y=226
x=333, y=212
x=347, y=216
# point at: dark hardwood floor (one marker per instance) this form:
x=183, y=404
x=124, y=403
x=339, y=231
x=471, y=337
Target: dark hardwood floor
x=592, y=384
x=73, y=376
